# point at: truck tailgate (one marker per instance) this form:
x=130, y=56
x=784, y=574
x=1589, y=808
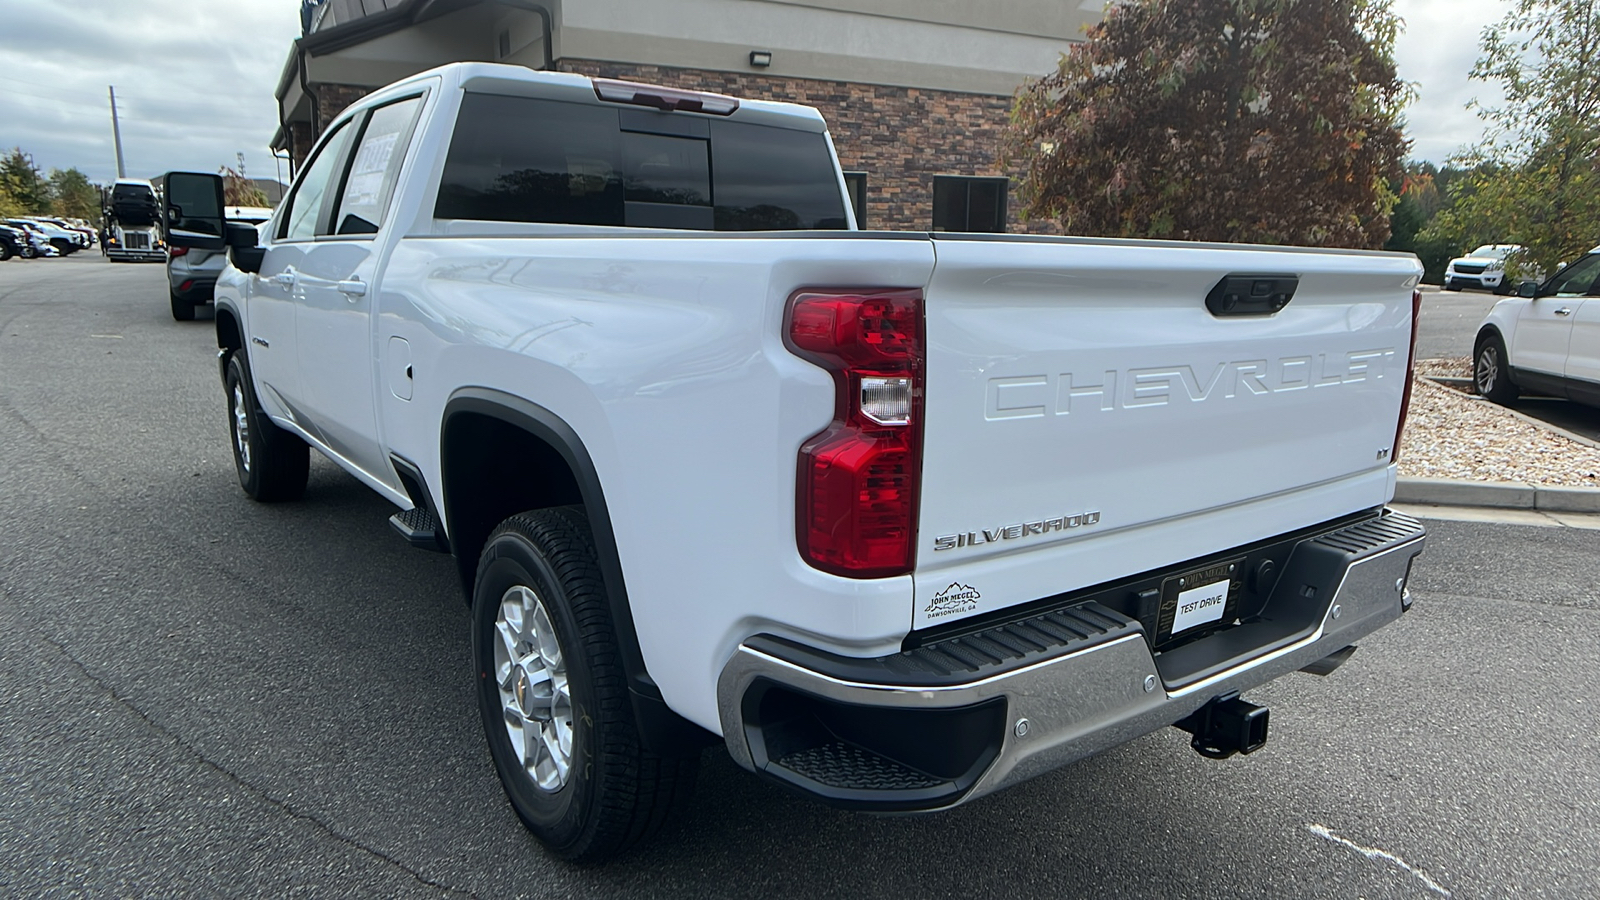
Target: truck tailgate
x=1087, y=417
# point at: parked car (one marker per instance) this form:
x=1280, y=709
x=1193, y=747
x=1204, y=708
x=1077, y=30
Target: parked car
x=900, y=519
x=13, y=243
x=1483, y=268
x=81, y=233
x=192, y=272
x=38, y=241
x=1545, y=339
x=64, y=240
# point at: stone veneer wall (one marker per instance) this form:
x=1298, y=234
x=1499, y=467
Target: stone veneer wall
x=901, y=137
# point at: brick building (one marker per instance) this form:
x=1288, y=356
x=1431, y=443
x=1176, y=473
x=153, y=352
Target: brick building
x=916, y=92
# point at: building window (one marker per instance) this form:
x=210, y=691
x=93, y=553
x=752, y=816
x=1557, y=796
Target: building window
x=969, y=204
x=856, y=184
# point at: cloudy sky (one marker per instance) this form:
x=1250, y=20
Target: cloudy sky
x=195, y=79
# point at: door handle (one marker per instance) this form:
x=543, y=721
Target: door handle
x=1564, y=311
x=284, y=277
x=353, y=288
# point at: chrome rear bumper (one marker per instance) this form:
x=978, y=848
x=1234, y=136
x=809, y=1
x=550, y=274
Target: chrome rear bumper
x=1070, y=704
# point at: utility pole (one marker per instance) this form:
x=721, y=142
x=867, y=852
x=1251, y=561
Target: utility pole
x=116, y=131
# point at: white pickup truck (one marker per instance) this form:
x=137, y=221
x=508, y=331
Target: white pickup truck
x=899, y=518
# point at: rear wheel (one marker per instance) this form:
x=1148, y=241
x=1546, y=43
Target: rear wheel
x=5, y=252
x=1491, y=376
x=272, y=463
x=182, y=310
x=554, y=698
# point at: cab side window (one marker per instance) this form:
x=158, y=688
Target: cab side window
x=305, y=207
x=375, y=167
x=1575, y=280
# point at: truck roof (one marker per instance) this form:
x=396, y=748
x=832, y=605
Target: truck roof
x=498, y=78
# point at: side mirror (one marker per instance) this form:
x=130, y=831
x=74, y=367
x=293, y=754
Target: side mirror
x=1529, y=289
x=191, y=215
x=243, y=248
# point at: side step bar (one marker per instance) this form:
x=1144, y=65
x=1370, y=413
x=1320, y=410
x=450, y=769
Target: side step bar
x=420, y=529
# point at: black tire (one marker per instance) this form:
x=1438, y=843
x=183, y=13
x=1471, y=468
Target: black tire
x=5, y=252
x=273, y=464
x=1450, y=286
x=1491, y=375
x=615, y=793
x=182, y=310
x=29, y=252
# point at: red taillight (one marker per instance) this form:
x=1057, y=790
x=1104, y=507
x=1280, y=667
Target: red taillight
x=1411, y=367
x=176, y=251
x=859, y=479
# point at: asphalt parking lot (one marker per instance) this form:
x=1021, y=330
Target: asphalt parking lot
x=202, y=696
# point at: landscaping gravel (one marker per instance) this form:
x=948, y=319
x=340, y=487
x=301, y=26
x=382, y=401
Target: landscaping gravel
x=1450, y=434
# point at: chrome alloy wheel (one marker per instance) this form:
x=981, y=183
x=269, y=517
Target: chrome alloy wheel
x=241, y=427
x=532, y=678
x=1488, y=369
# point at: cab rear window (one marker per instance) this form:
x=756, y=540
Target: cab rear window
x=519, y=159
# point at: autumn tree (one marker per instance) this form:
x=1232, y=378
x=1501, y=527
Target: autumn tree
x=238, y=189
x=1538, y=176
x=1273, y=121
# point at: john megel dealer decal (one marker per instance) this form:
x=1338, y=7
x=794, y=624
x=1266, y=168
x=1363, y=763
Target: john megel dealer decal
x=957, y=598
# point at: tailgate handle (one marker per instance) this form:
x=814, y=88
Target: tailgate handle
x=1251, y=294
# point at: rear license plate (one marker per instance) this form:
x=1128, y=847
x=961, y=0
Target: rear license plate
x=1198, y=599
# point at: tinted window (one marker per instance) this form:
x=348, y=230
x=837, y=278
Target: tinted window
x=375, y=167
x=773, y=179
x=969, y=204
x=1575, y=280
x=305, y=205
x=524, y=160
x=514, y=159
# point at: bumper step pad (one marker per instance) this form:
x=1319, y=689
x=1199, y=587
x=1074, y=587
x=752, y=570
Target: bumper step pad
x=958, y=660
x=844, y=766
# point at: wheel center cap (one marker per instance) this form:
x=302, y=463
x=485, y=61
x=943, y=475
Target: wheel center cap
x=521, y=690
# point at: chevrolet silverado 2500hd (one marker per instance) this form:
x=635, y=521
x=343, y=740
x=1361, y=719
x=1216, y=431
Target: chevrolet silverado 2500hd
x=899, y=518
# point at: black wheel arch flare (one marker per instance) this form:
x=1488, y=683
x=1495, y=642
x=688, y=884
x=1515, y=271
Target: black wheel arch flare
x=662, y=730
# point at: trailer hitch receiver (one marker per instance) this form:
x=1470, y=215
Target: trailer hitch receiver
x=1225, y=726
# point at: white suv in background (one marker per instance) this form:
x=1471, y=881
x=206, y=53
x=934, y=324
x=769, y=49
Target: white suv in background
x=1545, y=339
x=192, y=273
x=1484, y=268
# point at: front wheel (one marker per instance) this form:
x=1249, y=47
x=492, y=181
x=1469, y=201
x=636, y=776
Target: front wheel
x=273, y=464
x=28, y=251
x=1490, y=373
x=554, y=697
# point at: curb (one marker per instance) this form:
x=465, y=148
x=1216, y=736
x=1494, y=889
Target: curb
x=1497, y=495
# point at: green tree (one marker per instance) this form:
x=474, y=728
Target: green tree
x=21, y=182
x=1537, y=171
x=1232, y=120
x=72, y=195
